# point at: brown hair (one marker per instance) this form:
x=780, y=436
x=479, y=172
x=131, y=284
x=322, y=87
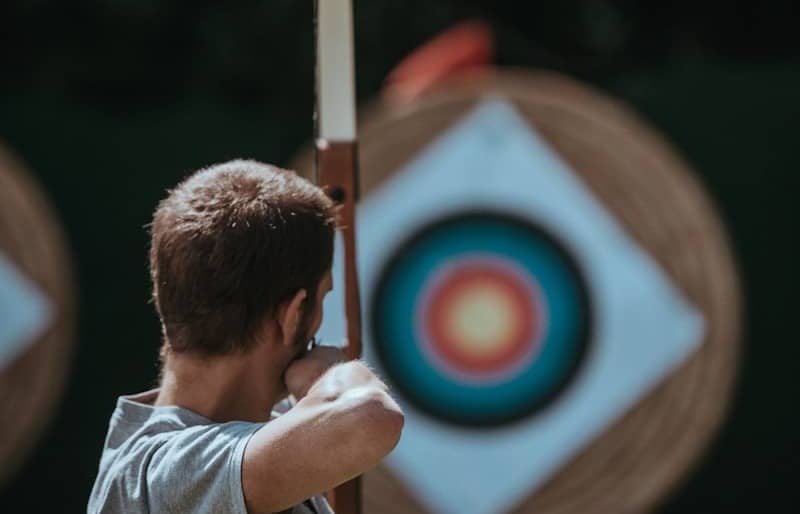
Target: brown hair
x=229, y=244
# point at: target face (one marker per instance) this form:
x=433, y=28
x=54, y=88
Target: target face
x=480, y=318
x=476, y=257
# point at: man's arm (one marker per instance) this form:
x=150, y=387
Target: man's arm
x=344, y=425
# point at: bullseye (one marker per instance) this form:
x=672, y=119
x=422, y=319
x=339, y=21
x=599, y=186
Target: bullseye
x=481, y=317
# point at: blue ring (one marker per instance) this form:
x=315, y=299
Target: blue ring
x=395, y=304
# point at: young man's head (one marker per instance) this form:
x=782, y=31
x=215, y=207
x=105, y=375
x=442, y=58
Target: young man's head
x=241, y=254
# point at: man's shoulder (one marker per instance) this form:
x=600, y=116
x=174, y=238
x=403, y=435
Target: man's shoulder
x=156, y=459
x=166, y=436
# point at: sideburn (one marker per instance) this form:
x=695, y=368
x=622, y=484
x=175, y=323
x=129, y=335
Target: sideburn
x=303, y=335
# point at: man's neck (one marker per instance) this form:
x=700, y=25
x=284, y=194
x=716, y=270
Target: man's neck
x=228, y=388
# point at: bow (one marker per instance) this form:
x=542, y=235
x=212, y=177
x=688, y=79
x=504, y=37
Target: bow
x=336, y=155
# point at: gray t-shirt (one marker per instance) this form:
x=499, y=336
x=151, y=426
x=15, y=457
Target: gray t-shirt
x=170, y=459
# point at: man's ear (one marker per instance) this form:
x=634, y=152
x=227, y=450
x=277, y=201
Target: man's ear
x=289, y=315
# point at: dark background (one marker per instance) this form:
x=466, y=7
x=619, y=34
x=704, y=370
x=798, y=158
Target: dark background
x=112, y=102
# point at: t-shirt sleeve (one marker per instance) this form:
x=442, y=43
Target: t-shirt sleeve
x=199, y=470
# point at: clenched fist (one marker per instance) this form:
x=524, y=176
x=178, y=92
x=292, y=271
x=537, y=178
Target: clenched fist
x=302, y=373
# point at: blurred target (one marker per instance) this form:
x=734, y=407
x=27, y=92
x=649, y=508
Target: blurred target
x=36, y=312
x=480, y=318
x=550, y=294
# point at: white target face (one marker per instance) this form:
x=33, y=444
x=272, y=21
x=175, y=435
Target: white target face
x=512, y=315
x=25, y=312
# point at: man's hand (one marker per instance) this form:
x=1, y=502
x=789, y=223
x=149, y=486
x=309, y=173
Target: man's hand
x=302, y=373
x=345, y=425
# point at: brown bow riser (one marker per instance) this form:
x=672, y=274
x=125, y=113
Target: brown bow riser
x=337, y=165
x=337, y=173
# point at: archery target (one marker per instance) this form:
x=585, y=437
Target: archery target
x=485, y=298
x=454, y=314
x=480, y=318
x=36, y=312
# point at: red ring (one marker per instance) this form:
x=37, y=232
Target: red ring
x=525, y=315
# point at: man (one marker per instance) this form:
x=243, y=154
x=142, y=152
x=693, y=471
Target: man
x=240, y=262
